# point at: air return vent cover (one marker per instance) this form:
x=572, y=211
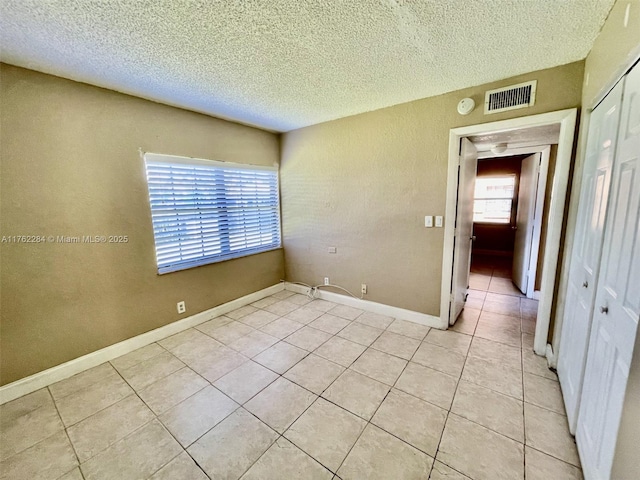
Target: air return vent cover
x=509, y=98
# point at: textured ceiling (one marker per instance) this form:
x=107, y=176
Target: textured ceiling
x=284, y=64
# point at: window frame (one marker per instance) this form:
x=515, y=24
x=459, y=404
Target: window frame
x=221, y=165
x=514, y=199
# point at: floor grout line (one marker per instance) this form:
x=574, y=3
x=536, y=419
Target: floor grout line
x=524, y=398
x=64, y=429
x=368, y=422
x=282, y=435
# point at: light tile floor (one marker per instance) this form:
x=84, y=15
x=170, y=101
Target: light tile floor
x=293, y=389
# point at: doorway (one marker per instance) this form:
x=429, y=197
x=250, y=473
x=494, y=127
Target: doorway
x=457, y=258
x=509, y=204
x=510, y=201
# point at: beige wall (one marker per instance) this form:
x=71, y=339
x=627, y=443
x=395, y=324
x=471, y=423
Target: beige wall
x=70, y=166
x=612, y=51
x=364, y=184
x=611, y=54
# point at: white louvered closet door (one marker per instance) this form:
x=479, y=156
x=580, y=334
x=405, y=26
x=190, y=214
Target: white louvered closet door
x=617, y=305
x=587, y=249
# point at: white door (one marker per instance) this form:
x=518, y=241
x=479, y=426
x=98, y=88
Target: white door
x=617, y=305
x=538, y=219
x=524, y=221
x=587, y=249
x=464, y=228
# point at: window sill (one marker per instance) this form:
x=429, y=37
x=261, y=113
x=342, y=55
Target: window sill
x=189, y=266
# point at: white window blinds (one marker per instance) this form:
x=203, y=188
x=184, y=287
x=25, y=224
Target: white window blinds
x=205, y=211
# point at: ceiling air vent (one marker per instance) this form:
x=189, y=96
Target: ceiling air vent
x=521, y=95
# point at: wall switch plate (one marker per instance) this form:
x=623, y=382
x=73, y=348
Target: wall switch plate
x=439, y=221
x=332, y=250
x=181, y=307
x=428, y=221
x=326, y=280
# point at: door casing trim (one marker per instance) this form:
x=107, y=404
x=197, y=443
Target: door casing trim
x=560, y=184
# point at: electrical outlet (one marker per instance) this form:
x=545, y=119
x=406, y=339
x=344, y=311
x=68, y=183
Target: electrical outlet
x=332, y=250
x=181, y=307
x=326, y=280
x=364, y=288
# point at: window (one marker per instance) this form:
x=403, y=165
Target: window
x=493, y=199
x=205, y=211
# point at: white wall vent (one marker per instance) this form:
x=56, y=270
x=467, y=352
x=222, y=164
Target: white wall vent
x=521, y=95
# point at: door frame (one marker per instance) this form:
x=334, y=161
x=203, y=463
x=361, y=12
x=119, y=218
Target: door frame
x=560, y=185
x=467, y=159
x=538, y=212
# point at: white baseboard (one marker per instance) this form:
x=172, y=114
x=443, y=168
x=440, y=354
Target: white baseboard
x=536, y=294
x=52, y=375
x=380, y=308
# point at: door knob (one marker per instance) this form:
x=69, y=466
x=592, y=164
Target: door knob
x=604, y=310
x=472, y=238
x=585, y=284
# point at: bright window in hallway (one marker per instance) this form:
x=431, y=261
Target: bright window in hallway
x=206, y=211
x=493, y=199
